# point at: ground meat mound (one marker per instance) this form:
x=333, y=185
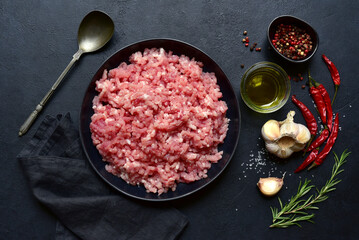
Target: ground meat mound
x=158, y=120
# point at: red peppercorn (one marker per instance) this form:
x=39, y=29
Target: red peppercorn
x=292, y=42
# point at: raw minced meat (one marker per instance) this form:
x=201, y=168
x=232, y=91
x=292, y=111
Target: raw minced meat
x=158, y=121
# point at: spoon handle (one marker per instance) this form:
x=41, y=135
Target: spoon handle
x=30, y=120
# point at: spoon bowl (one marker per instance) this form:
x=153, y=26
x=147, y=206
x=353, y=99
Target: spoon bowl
x=95, y=30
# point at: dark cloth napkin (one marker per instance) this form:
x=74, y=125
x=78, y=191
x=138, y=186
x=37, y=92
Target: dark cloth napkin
x=87, y=208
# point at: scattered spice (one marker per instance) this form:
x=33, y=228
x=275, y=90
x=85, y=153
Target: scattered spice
x=246, y=43
x=260, y=162
x=292, y=42
x=303, y=86
x=242, y=65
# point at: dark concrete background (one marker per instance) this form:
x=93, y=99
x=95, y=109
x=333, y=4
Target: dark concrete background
x=38, y=39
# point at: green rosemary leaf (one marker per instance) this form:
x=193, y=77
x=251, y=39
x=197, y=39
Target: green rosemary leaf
x=306, y=191
x=280, y=203
x=330, y=190
x=274, y=212
x=336, y=181
x=300, y=186
x=312, y=207
x=304, y=218
x=308, y=200
x=296, y=209
x=282, y=218
x=321, y=199
x=297, y=224
x=301, y=212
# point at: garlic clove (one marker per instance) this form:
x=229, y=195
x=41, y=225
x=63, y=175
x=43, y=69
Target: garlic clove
x=298, y=147
x=285, y=152
x=288, y=127
x=303, y=135
x=272, y=147
x=270, y=130
x=270, y=186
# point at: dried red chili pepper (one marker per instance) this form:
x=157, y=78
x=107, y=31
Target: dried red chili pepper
x=328, y=105
x=311, y=157
x=329, y=145
x=326, y=99
x=319, y=141
x=318, y=100
x=308, y=116
x=334, y=73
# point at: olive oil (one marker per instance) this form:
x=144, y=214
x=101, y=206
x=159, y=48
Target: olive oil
x=263, y=88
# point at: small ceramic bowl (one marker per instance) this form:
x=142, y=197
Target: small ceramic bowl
x=265, y=87
x=293, y=21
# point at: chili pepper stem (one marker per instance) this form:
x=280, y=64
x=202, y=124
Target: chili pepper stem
x=312, y=166
x=335, y=94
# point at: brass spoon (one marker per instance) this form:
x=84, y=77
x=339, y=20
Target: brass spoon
x=95, y=30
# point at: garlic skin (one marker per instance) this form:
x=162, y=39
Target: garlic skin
x=285, y=137
x=270, y=186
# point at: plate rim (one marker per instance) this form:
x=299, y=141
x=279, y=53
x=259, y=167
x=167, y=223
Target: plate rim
x=237, y=107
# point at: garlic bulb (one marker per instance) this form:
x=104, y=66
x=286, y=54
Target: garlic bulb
x=285, y=137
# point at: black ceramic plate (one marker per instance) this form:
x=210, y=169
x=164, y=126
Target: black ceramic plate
x=229, y=96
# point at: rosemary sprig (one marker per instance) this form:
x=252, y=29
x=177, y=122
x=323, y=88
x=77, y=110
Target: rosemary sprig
x=295, y=210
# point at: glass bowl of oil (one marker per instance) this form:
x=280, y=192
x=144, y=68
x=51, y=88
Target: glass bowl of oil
x=265, y=87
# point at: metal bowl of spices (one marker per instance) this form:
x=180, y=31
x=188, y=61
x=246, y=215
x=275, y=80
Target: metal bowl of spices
x=292, y=38
x=265, y=87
